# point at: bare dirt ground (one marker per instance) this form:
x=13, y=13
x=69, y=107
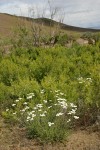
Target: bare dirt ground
x=14, y=138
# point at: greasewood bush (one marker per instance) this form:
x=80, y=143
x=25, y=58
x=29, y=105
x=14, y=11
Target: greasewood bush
x=75, y=71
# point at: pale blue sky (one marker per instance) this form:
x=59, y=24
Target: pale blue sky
x=84, y=13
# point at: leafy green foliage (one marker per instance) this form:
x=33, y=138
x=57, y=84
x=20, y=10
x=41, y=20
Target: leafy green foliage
x=47, y=119
x=75, y=71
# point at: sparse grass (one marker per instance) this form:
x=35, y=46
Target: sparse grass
x=14, y=137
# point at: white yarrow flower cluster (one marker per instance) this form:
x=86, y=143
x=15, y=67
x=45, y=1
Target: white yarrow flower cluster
x=73, y=111
x=76, y=117
x=72, y=105
x=30, y=116
x=82, y=80
x=25, y=103
x=13, y=104
x=45, y=101
x=42, y=91
x=30, y=95
x=7, y=109
x=20, y=98
x=50, y=124
x=33, y=112
x=68, y=120
x=59, y=114
x=17, y=100
x=39, y=105
x=14, y=113
x=49, y=107
x=42, y=115
x=62, y=102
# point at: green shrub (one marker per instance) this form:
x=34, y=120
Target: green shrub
x=24, y=86
x=62, y=39
x=47, y=119
x=5, y=95
x=75, y=71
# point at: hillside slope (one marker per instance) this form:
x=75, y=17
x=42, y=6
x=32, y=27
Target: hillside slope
x=9, y=22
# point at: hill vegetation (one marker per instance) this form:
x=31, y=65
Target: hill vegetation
x=8, y=24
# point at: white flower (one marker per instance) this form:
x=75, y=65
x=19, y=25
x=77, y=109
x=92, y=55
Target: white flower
x=57, y=91
x=68, y=120
x=32, y=119
x=28, y=117
x=80, y=82
x=13, y=104
x=33, y=115
x=23, y=110
x=29, y=97
x=26, y=107
x=27, y=120
x=56, y=96
x=45, y=112
x=89, y=79
x=72, y=105
x=76, y=117
x=45, y=101
x=42, y=115
x=35, y=108
x=69, y=113
x=61, y=99
x=17, y=100
x=81, y=78
x=20, y=98
x=50, y=124
x=59, y=114
x=55, y=104
x=64, y=107
x=39, y=105
x=31, y=94
x=61, y=93
x=29, y=113
x=50, y=100
x=73, y=111
x=32, y=111
x=25, y=103
x=63, y=104
x=14, y=113
x=39, y=110
x=7, y=109
x=42, y=91
x=49, y=107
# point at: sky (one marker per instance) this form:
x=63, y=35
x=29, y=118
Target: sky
x=81, y=13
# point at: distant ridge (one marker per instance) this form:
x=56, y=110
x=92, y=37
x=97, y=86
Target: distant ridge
x=47, y=22
x=96, y=27
x=65, y=26
x=7, y=22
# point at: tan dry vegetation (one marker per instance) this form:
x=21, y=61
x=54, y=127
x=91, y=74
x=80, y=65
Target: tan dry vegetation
x=8, y=24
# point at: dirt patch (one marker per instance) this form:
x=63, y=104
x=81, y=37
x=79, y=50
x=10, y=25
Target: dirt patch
x=14, y=138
